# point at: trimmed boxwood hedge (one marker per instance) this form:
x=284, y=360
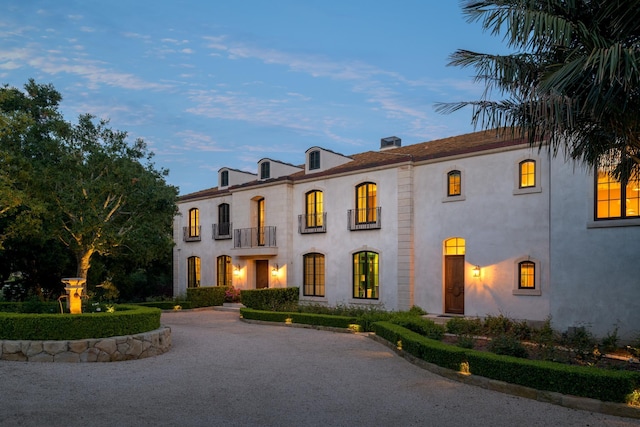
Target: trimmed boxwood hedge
x=274, y=299
x=601, y=384
x=166, y=305
x=206, y=297
x=302, y=318
x=126, y=320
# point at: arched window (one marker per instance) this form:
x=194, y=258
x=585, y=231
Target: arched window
x=314, y=209
x=260, y=209
x=454, y=183
x=194, y=222
x=366, y=203
x=454, y=246
x=526, y=275
x=193, y=272
x=527, y=173
x=365, y=275
x=224, y=271
x=313, y=274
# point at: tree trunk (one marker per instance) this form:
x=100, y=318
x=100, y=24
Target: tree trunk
x=84, y=262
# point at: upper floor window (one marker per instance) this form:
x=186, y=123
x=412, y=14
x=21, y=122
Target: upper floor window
x=314, y=209
x=365, y=275
x=313, y=275
x=314, y=160
x=223, y=228
x=615, y=200
x=454, y=183
x=193, y=272
x=265, y=170
x=224, y=179
x=527, y=174
x=225, y=271
x=366, y=203
x=194, y=222
x=526, y=275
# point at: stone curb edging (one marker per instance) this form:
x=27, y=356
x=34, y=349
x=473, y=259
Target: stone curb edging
x=111, y=349
x=568, y=401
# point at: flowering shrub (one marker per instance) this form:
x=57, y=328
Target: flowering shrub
x=231, y=294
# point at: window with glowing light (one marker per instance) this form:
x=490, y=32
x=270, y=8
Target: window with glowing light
x=365, y=275
x=454, y=183
x=366, y=203
x=194, y=222
x=615, y=200
x=224, y=271
x=313, y=274
x=527, y=275
x=193, y=272
x=314, y=209
x=454, y=246
x=527, y=173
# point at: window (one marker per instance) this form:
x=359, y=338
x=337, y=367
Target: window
x=314, y=160
x=265, y=170
x=454, y=183
x=224, y=271
x=194, y=222
x=313, y=265
x=454, y=246
x=224, y=219
x=614, y=200
x=314, y=209
x=526, y=275
x=224, y=179
x=260, y=224
x=365, y=275
x=527, y=174
x=366, y=203
x=193, y=272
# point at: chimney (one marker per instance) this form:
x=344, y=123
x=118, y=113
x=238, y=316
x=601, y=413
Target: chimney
x=390, y=142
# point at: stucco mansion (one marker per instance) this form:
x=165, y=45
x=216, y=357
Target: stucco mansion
x=471, y=225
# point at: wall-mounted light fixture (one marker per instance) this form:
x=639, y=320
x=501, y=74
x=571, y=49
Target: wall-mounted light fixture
x=236, y=270
x=476, y=271
x=274, y=272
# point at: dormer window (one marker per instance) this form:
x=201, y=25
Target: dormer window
x=224, y=179
x=314, y=160
x=265, y=170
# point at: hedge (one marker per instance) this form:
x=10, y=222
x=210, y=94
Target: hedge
x=206, y=296
x=595, y=383
x=302, y=318
x=126, y=320
x=166, y=305
x=274, y=299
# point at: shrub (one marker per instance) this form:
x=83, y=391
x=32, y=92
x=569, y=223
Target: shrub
x=206, y=296
x=546, y=338
x=297, y=317
x=424, y=327
x=508, y=345
x=274, y=299
x=497, y=325
x=126, y=320
x=462, y=326
x=611, y=342
x=466, y=341
x=580, y=341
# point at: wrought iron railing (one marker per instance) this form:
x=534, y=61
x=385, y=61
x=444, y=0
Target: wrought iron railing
x=312, y=223
x=222, y=231
x=364, y=219
x=254, y=237
x=191, y=234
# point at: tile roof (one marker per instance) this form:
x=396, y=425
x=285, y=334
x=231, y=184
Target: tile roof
x=475, y=142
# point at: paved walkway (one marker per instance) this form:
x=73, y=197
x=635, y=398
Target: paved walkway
x=225, y=372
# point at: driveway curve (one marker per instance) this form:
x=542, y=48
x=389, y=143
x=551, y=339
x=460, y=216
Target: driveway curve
x=225, y=372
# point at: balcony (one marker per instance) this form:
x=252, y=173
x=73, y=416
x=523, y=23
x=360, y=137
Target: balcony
x=364, y=219
x=257, y=237
x=222, y=231
x=191, y=234
x=312, y=223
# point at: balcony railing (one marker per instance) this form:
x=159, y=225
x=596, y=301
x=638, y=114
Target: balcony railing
x=364, y=219
x=222, y=231
x=191, y=234
x=254, y=237
x=312, y=223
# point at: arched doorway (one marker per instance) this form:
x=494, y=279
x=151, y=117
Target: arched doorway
x=454, y=250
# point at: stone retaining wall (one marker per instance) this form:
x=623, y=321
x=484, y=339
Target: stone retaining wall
x=110, y=349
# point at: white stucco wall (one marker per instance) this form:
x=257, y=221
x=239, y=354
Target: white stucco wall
x=498, y=226
x=593, y=264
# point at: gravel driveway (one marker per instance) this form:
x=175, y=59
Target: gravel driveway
x=222, y=371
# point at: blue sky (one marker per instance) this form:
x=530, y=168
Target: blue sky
x=217, y=83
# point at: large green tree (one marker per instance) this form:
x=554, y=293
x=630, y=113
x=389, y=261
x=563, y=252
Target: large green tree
x=83, y=185
x=572, y=82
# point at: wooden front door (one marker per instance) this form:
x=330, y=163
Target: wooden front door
x=454, y=284
x=262, y=273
